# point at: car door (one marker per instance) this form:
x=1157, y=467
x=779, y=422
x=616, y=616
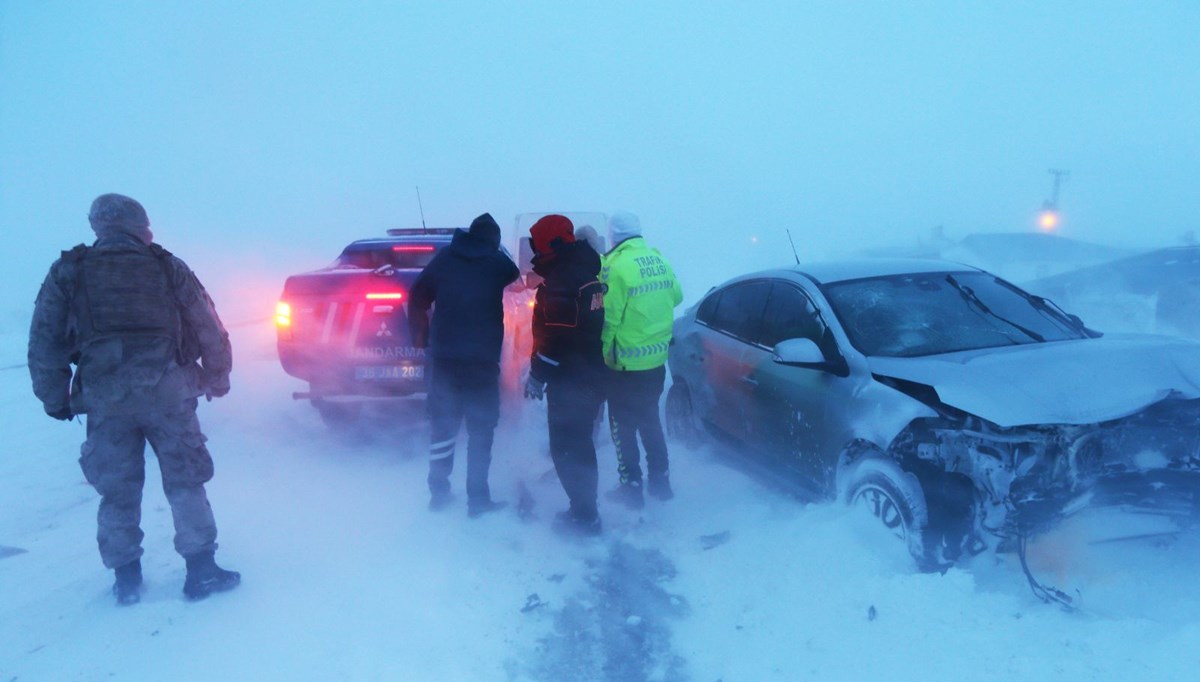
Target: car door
x=728, y=354
x=792, y=405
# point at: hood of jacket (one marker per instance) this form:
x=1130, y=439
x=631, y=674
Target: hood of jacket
x=472, y=246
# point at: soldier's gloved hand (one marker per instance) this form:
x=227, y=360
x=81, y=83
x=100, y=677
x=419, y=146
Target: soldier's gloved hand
x=217, y=388
x=534, y=388
x=63, y=414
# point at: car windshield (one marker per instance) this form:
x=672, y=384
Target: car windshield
x=942, y=312
x=408, y=256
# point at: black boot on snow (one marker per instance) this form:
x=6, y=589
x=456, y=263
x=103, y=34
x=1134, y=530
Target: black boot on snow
x=628, y=494
x=659, y=487
x=440, y=499
x=205, y=577
x=475, y=509
x=128, y=587
x=570, y=523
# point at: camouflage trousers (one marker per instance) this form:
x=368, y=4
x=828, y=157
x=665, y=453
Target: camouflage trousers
x=113, y=461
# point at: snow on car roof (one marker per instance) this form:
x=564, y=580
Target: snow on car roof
x=838, y=271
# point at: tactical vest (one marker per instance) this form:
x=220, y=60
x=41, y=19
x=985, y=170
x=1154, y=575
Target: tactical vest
x=123, y=291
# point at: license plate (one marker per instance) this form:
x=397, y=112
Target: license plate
x=402, y=372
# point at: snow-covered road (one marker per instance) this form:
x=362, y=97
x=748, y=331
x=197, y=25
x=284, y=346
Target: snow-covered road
x=348, y=576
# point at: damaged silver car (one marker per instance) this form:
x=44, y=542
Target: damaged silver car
x=961, y=411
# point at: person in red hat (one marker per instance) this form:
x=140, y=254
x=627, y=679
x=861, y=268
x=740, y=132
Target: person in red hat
x=566, y=365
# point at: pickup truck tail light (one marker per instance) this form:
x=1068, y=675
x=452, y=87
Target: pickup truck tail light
x=385, y=296
x=283, y=320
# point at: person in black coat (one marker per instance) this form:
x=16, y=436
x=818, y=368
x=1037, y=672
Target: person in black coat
x=466, y=281
x=567, y=365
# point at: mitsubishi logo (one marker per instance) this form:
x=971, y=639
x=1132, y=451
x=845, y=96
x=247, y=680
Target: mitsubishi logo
x=383, y=330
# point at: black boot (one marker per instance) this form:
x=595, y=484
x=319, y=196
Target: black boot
x=571, y=523
x=628, y=494
x=440, y=499
x=205, y=577
x=659, y=487
x=128, y=587
x=477, y=508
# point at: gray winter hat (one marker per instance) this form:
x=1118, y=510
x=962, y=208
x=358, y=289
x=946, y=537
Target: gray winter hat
x=621, y=226
x=117, y=213
x=589, y=234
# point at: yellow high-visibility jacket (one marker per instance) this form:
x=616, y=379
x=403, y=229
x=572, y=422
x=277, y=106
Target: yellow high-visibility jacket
x=638, y=306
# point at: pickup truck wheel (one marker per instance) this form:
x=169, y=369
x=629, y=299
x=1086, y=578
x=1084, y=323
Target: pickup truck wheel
x=338, y=415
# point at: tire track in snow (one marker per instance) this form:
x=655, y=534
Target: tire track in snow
x=618, y=627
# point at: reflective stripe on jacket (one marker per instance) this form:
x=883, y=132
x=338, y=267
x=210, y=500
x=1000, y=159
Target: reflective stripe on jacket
x=638, y=307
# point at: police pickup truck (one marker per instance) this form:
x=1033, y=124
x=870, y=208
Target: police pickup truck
x=344, y=328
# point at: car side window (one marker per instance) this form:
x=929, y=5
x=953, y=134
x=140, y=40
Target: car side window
x=790, y=314
x=708, y=308
x=739, y=311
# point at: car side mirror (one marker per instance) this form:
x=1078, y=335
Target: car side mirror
x=807, y=354
x=798, y=352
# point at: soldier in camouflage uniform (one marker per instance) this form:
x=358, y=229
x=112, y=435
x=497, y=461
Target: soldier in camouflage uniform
x=146, y=342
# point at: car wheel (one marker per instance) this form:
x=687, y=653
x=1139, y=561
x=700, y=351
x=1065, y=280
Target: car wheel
x=682, y=423
x=894, y=498
x=338, y=415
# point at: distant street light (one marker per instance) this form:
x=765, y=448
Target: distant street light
x=1050, y=219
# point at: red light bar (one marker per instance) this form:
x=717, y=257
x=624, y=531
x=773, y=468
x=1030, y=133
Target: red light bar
x=410, y=249
x=391, y=295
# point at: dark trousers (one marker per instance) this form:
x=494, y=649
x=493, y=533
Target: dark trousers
x=114, y=462
x=572, y=404
x=633, y=411
x=458, y=391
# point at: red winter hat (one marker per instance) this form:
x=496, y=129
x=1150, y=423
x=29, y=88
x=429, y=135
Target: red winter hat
x=550, y=228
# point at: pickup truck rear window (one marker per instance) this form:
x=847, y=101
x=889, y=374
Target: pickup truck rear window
x=399, y=256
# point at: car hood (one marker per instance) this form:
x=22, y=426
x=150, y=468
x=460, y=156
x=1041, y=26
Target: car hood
x=1063, y=382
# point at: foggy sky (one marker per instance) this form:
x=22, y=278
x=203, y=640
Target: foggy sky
x=281, y=128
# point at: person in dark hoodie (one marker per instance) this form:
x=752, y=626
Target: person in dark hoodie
x=145, y=342
x=465, y=283
x=567, y=365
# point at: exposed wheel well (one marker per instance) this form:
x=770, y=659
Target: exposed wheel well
x=943, y=504
x=679, y=412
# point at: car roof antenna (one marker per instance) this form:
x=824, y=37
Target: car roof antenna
x=422, y=208
x=794, y=254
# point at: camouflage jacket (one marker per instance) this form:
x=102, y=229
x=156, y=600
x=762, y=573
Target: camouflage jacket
x=124, y=373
